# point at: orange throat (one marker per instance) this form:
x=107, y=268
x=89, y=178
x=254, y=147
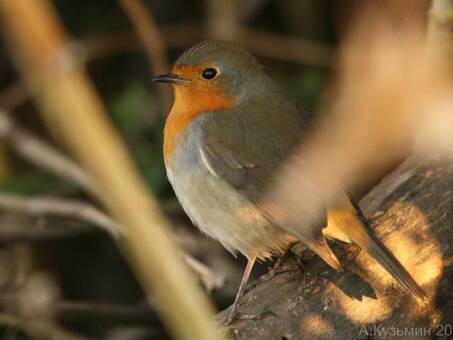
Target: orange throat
x=191, y=101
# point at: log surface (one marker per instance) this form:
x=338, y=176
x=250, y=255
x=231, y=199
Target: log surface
x=411, y=211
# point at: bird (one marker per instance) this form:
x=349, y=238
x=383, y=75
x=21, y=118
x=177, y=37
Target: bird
x=229, y=132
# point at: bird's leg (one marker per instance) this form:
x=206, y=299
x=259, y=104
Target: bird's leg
x=277, y=267
x=234, y=308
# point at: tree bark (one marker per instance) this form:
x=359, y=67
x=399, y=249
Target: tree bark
x=411, y=210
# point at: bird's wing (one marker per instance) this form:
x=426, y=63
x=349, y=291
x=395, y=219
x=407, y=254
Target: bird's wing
x=256, y=183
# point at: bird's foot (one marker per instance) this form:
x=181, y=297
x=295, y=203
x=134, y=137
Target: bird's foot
x=279, y=267
x=231, y=315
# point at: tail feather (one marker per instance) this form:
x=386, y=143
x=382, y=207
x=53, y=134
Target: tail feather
x=391, y=264
x=365, y=239
x=321, y=248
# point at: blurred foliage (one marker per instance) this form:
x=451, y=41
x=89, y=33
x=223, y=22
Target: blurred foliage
x=306, y=87
x=134, y=111
x=129, y=109
x=35, y=183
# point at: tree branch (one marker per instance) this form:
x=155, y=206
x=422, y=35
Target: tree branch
x=60, y=207
x=91, y=215
x=42, y=154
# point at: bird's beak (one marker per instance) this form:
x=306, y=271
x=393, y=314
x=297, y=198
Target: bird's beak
x=170, y=78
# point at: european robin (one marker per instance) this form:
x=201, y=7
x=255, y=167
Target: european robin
x=229, y=131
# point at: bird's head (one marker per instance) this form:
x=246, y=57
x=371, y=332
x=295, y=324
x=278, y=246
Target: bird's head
x=213, y=75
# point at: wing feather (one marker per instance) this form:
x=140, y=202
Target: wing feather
x=256, y=183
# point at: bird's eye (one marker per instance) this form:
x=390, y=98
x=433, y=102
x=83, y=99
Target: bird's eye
x=209, y=73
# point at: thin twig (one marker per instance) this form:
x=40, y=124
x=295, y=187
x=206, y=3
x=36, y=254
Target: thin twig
x=222, y=19
x=59, y=207
x=86, y=212
x=95, y=312
x=43, y=154
x=38, y=329
x=271, y=45
x=15, y=228
x=249, y=9
x=287, y=48
x=210, y=279
x=46, y=156
x=143, y=22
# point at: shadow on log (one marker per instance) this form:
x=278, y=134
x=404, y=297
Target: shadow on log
x=411, y=210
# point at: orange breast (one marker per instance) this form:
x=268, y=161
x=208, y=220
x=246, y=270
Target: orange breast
x=191, y=100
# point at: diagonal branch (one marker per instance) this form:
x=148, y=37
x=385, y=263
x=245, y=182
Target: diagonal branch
x=42, y=154
x=60, y=207
x=86, y=212
x=143, y=22
x=37, y=329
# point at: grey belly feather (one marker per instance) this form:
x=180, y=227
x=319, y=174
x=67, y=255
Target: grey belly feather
x=219, y=210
